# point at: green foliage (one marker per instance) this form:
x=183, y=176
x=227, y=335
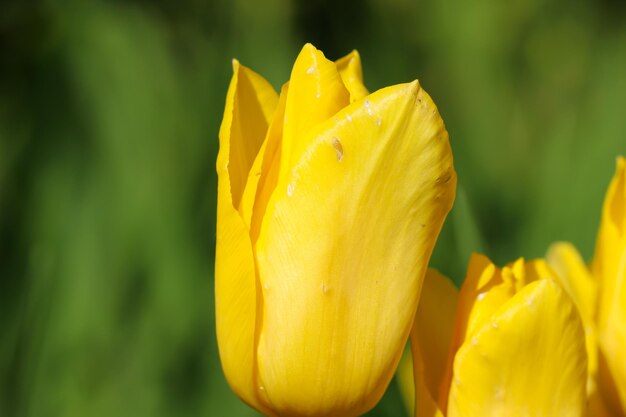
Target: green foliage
x=109, y=115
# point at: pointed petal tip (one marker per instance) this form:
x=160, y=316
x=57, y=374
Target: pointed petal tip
x=235, y=64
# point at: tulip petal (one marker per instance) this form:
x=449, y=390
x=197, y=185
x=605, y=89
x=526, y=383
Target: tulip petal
x=576, y=279
x=529, y=360
x=438, y=300
x=609, y=267
x=482, y=293
x=343, y=249
x=352, y=75
x=235, y=287
x=253, y=103
x=574, y=276
x=264, y=171
x=430, y=340
x=425, y=404
x=316, y=93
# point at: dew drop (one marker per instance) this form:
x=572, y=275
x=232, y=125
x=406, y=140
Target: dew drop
x=494, y=324
x=311, y=70
x=349, y=118
x=379, y=121
x=290, y=189
x=318, y=95
x=324, y=287
x=367, y=106
x=338, y=148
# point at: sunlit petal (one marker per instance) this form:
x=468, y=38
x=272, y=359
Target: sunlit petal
x=529, y=359
x=235, y=287
x=343, y=249
x=352, y=75
x=316, y=93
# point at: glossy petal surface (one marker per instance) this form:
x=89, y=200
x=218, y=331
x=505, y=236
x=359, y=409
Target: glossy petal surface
x=316, y=93
x=529, y=360
x=343, y=249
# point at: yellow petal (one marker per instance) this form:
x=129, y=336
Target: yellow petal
x=529, y=360
x=482, y=293
x=609, y=268
x=316, y=93
x=577, y=281
x=404, y=377
x=434, y=324
x=252, y=105
x=425, y=404
x=263, y=174
x=343, y=249
x=352, y=75
x=430, y=340
x=574, y=276
x=235, y=288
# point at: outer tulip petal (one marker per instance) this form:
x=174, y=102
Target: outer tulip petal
x=343, y=250
x=425, y=404
x=253, y=103
x=263, y=174
x=316, y=93
x=574, y=276
x=609, y=266
x=235, y=287
x=482, y=293
x=352, y=75
x=430, y=340
x=539, y=329
x=433, y=327
x=577, y=281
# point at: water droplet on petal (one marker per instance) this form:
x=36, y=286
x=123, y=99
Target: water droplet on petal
x=338, y=148
x=290, y=189
x=349, y=118
x=379, y=121
x=367, y=106
x=311, y=70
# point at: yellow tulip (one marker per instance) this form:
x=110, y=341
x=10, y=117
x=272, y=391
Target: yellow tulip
x=600, y=294
x=510, y=343
x=330, y=200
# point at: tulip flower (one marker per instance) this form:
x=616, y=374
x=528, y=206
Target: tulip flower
x=600, y=294
x=330, y=200
x=510, y=343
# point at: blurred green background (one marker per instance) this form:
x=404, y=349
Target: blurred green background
x=109, y=113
